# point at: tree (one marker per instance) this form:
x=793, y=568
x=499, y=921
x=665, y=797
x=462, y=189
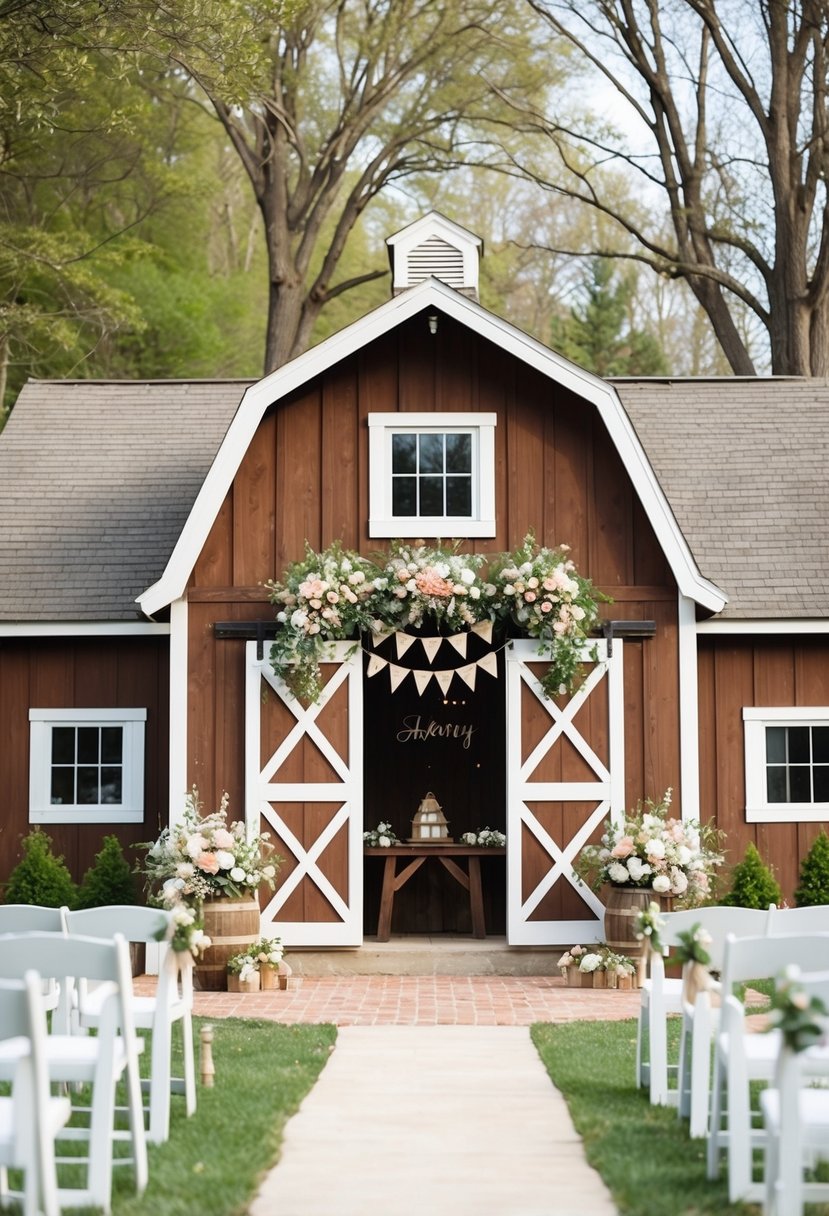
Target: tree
x=351, y=98
x=813, y=887
x=753, y=884
x=600, y=334
x=40, y=877
x=109, y=880
x=731, y=103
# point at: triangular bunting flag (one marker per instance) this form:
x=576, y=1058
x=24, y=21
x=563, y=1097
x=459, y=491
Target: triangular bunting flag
x=403, y=641
x=378, y=636
x=431, y=646
x=459, y=640
x=396, y=676
x=489, y=663
x=375, y=664
x=422, y=678
x=444, y=678
x=483, y=630
x=467, y=674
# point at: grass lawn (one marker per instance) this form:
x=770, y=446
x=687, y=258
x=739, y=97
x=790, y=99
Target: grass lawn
x=212, y=1163
x=643, y=1152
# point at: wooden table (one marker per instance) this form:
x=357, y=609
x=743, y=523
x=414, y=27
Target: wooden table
x=446, y=854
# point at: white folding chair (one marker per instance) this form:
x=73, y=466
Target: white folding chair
x=35, y=918
x=660, y=996
x=171, y=1004
x=784, y=922
x=30, y=1118
x=740, y=1058
x=796, y=1120
x=700, y=1016
x=99, y=1061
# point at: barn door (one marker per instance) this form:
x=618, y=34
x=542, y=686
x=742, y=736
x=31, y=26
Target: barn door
x=565, y=774
x=304, y=784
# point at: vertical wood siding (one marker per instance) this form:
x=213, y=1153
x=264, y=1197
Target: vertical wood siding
x=754, y=672
x=94, y=674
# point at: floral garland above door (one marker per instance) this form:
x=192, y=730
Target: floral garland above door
x=336, y=595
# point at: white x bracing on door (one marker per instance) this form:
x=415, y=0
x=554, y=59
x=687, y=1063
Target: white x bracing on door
x=531, y=800
x=315, y=820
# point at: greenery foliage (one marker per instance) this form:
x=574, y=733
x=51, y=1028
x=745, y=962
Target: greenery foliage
x=40, y=877
x=813, y=887
x=109, y=880
x=799, y=1016
x=337, y=594
x=753, y=884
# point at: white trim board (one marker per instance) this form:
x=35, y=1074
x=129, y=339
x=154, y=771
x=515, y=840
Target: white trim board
x=429, y=294
x=99, y=629
x=778, y=625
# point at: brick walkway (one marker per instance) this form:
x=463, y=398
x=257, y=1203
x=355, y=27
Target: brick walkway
x=383, y=1000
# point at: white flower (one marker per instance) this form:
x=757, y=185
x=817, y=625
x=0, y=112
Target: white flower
x=299, y=619
x=616, y=872
x=383, y=842
x=662, y=884
x=226, y=860
x=467, y=576
x=637, y=868
x=268, y=871
x=679, y=883
x=655, y=848
x=185, y=869
x=590, y=962
x=237, y=874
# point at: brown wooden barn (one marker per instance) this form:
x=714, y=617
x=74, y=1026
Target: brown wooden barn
x=139, y=524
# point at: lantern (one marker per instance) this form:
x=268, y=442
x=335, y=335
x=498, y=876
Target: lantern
x=429, y=824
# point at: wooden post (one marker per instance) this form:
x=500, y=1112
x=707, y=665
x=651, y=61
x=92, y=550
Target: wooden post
x=208, y=1070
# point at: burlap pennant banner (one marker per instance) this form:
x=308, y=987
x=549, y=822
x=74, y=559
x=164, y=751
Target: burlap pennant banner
x=468, y=674
x=489, y=663
x=431, y=646
x=375, y=664
x=444, y=679
x=422, y=679
x=459, y=640
x=397, y=675
x=483, y=630
x=403, y=641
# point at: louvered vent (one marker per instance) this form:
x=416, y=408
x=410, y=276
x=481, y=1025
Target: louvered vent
x=438, y=258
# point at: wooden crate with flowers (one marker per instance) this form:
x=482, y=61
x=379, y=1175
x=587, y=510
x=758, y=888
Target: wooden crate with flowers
x=598, y=967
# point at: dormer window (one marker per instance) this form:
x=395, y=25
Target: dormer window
x=432, y=475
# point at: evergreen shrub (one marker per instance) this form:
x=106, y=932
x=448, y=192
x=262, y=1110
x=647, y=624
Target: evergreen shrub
x=40, y=877
x=753, y=884
x=109, y=880
x=814, y=874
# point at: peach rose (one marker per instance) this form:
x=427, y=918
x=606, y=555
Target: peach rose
x=208, y=863
x=624, y=848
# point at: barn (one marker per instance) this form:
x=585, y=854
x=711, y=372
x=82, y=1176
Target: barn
x=140, y=524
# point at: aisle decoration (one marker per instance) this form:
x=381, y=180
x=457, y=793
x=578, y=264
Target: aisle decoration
x=203, y=857
x=599, y=967
x=484, y=838
x=801, y=1017
x=650, y=851
x=337, y=595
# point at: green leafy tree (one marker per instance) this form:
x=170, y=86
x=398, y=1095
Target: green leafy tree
x=40, y=877
x=109, y=880
x=813, y=887
x=599, y=334
x=753, y=884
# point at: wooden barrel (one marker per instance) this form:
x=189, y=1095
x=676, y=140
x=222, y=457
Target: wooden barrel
x=622, y=906
x=231, y=925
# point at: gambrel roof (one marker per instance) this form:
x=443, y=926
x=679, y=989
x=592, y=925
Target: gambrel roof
x=107, y=489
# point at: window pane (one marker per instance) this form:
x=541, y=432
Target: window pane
x=403, y=500
x=776, y=784
x=403, y=453
x=63, y=787
x=431, y=455
x=459, y=454
x=800, y=784
x=431, y=496
x=459, y=496
x=820, y=744
x=111, y=786
x=821, y=778
x=799, y=745
x=63, y=745
x=87, y=786
x=112, y=750
x=776, y=744
x=88, y=742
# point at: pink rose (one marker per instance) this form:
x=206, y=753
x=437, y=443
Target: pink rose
x=624, y=848
x=546, y=606
x=222, y=839
x=529, y=596
x=208, y=862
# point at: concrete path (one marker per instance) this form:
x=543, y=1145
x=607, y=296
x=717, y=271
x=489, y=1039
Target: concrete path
x=433, y=1121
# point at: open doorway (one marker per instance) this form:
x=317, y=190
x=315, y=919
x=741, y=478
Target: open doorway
x=449, y=743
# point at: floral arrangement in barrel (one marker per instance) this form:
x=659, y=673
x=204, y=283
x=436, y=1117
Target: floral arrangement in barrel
x=203, y=857
x=337, y=595
x=647, y=848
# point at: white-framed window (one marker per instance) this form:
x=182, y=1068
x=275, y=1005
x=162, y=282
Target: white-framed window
x=787, y=764
x=431, y=475
x=86, y=765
